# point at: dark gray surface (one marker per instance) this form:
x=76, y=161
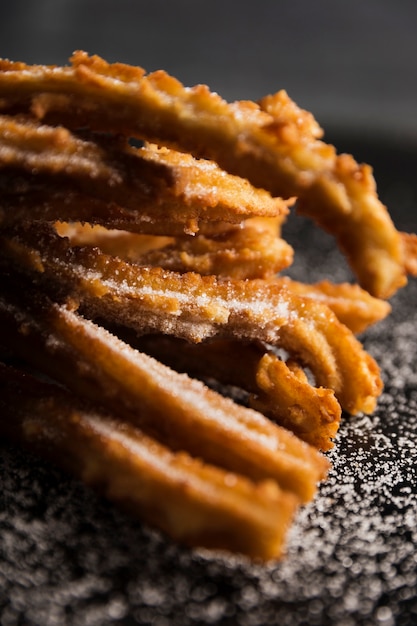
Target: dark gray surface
x=349, y=62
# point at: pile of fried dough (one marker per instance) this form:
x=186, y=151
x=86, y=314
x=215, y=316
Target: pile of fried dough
x=142, y=266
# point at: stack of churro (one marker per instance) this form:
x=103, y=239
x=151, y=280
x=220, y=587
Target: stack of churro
x=133, y=274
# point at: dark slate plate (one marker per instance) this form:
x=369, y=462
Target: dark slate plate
x=69, y=558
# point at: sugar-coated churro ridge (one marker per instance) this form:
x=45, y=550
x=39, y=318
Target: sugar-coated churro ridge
x=130, y=271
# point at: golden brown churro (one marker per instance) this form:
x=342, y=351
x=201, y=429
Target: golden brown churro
x=275, y=387
x=353, y=306
x=180, y=412
x=274, y=144
x=197, y=307
x=145, y=184
x=254, y=250
x=193, y=502
x=140, y=244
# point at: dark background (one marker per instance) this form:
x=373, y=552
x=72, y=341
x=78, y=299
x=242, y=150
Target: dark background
x=352, y=63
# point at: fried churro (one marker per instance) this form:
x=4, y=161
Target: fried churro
x=277, y=388
x=173, y=408
x=353, y=306
x=254, y=250
x=193, y=502
x=197, y=307
x=274, y=144
x=142, y=249
x=135, y=185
